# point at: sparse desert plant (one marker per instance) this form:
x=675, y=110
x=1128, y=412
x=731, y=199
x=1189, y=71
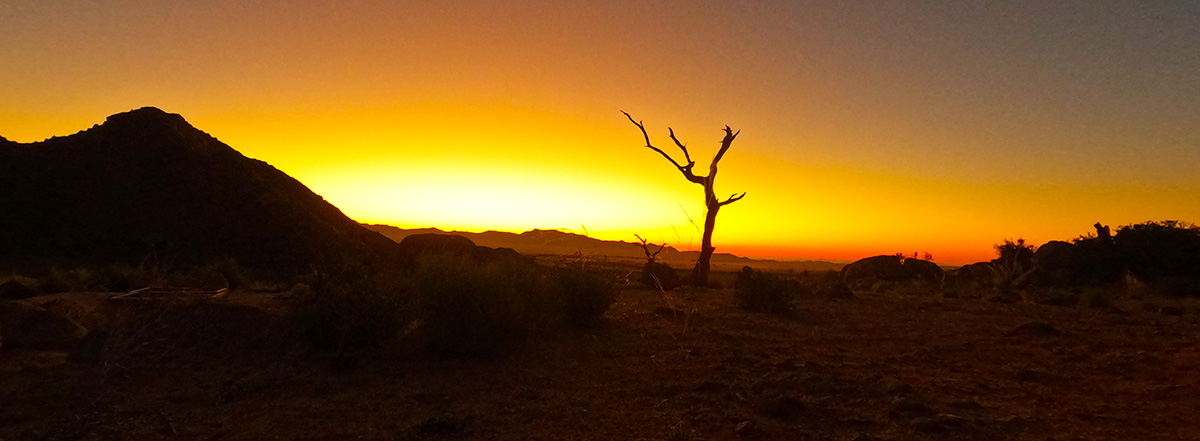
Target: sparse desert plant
x=587, y=293
x=656, y=274
x=470, y=309
x=480, y=309
x=1013, y=257
x=351, y=310
x=756, y=290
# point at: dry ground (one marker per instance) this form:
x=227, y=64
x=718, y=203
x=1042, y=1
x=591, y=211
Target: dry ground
x=683, y=366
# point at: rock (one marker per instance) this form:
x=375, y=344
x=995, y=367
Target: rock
x=837, y=290
x=433, y=243
x=30, y=327
x=924, y=270
x=780, y=406
x=1171, y=310
x=980, y=273
x=907, y=407
x=1034, y=329
x=882, y=272
x=940, y=423
x=886, y=268
x=14, y=290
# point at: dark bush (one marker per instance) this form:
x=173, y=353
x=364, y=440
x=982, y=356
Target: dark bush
x=480, y=309
x=587, y=294
x=660, y=275
x=351, y=310
x=476, y=309
x=1157, y=251
x=755, y=290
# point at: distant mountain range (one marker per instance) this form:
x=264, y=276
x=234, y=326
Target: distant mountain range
x=146, y=185
x=554, y=242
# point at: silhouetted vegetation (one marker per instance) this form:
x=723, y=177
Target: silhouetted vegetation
x=449, y=305
x=1162, y=258
x=757, y=290
x=1165, y=254
x=346, y=312
x=656, y=274
x=711, y=204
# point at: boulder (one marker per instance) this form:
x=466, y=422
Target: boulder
x=433, y=243
x=1089, y=262
x=868, y=270
x=924, y=270
x=981, y=274
x=884, y=271
x=14, y=290
x=30, y=327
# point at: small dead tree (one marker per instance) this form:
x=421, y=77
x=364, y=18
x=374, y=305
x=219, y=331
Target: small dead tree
x=646, y=246
x=655, y=273
x=711, y=204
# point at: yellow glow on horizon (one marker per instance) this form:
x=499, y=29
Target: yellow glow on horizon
x=860, y=135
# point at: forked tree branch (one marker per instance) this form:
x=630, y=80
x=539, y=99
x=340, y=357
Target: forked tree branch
x=734, y=198
x=725, y=143
x=685, y=169
x=646, y=248
x=681, y=147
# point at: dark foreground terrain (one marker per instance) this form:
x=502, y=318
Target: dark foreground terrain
x=677, y=366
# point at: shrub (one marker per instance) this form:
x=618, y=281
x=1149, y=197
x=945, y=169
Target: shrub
x=475, y=309
x=479, y=309
x=660, y=275
x=348, y=311
x=1157, y=251
x=755, y=290
x=587, y=294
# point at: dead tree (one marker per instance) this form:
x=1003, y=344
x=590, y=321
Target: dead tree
x=655, y=273
x=646, y=245
x=711, y=204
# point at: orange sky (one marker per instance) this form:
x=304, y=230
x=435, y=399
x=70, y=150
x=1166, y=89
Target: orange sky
x=867, y=127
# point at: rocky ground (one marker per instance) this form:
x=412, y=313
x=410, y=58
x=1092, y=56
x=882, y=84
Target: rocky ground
x=676, y=366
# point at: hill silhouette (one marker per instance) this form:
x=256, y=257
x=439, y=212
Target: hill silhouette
x=554, y=242
x=146, y=185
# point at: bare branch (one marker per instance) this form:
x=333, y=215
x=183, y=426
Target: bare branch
x=725, y=143
x=685, y=169
x=734, y=198
x=646, y=248
x=681, y=147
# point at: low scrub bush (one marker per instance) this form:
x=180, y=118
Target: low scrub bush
x=470, y=309
x=351, y=310
x=474, y=309
x=755, y=290
x=586, y=294
x=658, y=275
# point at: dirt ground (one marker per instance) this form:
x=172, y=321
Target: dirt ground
x=677, y=366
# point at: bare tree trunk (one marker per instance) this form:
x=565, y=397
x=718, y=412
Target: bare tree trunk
x=700, y=272
x=711, y=204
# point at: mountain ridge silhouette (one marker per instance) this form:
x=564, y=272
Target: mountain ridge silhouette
x=556, y=242
x=146, y=185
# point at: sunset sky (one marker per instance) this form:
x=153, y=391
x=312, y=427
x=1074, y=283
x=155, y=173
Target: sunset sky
x=869, y=127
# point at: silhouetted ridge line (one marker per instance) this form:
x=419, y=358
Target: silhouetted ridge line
x=558, y=242
x=147, y=186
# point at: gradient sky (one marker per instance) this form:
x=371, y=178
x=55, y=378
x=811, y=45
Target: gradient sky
x=868, y=128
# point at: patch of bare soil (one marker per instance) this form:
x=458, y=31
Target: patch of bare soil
x=690, y=366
